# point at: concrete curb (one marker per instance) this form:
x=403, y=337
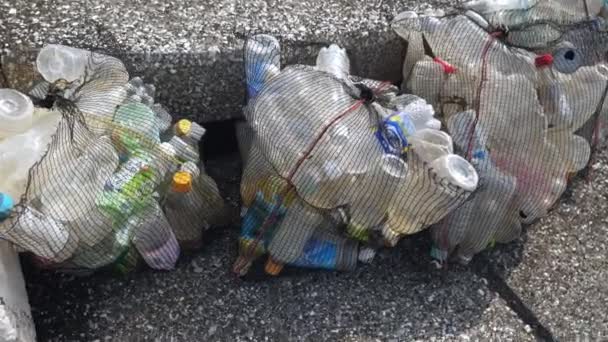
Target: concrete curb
x=194, y=49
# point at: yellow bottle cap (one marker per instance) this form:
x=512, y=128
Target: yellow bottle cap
x=182, y=182
x=183, y=127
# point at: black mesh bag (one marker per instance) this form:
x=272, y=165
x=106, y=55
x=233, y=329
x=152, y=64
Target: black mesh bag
x=337, y=166
x=110, y=180
x=522, y=91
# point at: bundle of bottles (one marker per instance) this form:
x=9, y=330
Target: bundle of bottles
x=338, y=166
x=501, y=105
x=523, y=99
x=94, y=173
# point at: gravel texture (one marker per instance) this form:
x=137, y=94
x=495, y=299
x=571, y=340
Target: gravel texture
x=192, y=49
x=560, y=267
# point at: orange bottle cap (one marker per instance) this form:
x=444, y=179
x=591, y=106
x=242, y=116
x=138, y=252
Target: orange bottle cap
x=182, y=182
x=272, y=267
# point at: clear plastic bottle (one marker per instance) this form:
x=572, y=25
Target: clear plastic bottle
x=429, y=194
x=47, y=238
x=20, y=152
x=291, y=236
x=128, y=190
x=16, y=112
x=139, y=121
x=262, y=62
x=334, y=60
x=154, y=238
x=56, y=62
x=430, y=144
x=184, y=151
x=114, y=245
x=184, y=206
x=473, y=225
x=68, y=197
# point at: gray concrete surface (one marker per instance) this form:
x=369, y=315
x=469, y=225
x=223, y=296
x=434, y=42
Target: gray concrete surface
x=16, y=324
x=193, y=48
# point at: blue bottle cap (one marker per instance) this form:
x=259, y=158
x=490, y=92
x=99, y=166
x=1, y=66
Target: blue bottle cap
x=6, y=205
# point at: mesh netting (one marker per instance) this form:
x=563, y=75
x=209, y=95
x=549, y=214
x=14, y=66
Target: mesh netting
x=521, y=88
x=98, y=174
x=338, y=165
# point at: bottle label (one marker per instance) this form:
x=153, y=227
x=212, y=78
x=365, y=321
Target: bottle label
x=318, y=254
x=128, y=190
x=394, y=132
x=257, y=214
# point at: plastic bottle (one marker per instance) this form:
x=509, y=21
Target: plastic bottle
x=16, y=112
x=128, y=190
x=334, y=60
x=268, y=207
x=473, y=225
x=329, y=251
x=154, y=238
x=429, y=194
x=291, y=236
x=163, y=118
x=431, y=144
x=20, y=152
x=262, y=62
x=47, y=238
x=55, y=62
x=421, y=114
x=114, y=245
x=137, y=121
x=370, y=203
x=189, y=131
x=457, y=171
x=184, y=151
x=69, y=196
x=184, y=206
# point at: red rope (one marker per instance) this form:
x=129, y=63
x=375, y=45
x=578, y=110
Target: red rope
x=484, y=72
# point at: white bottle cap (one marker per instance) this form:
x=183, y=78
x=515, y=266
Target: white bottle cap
x=16, y=112
x=457, y=171
x=55, y=62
